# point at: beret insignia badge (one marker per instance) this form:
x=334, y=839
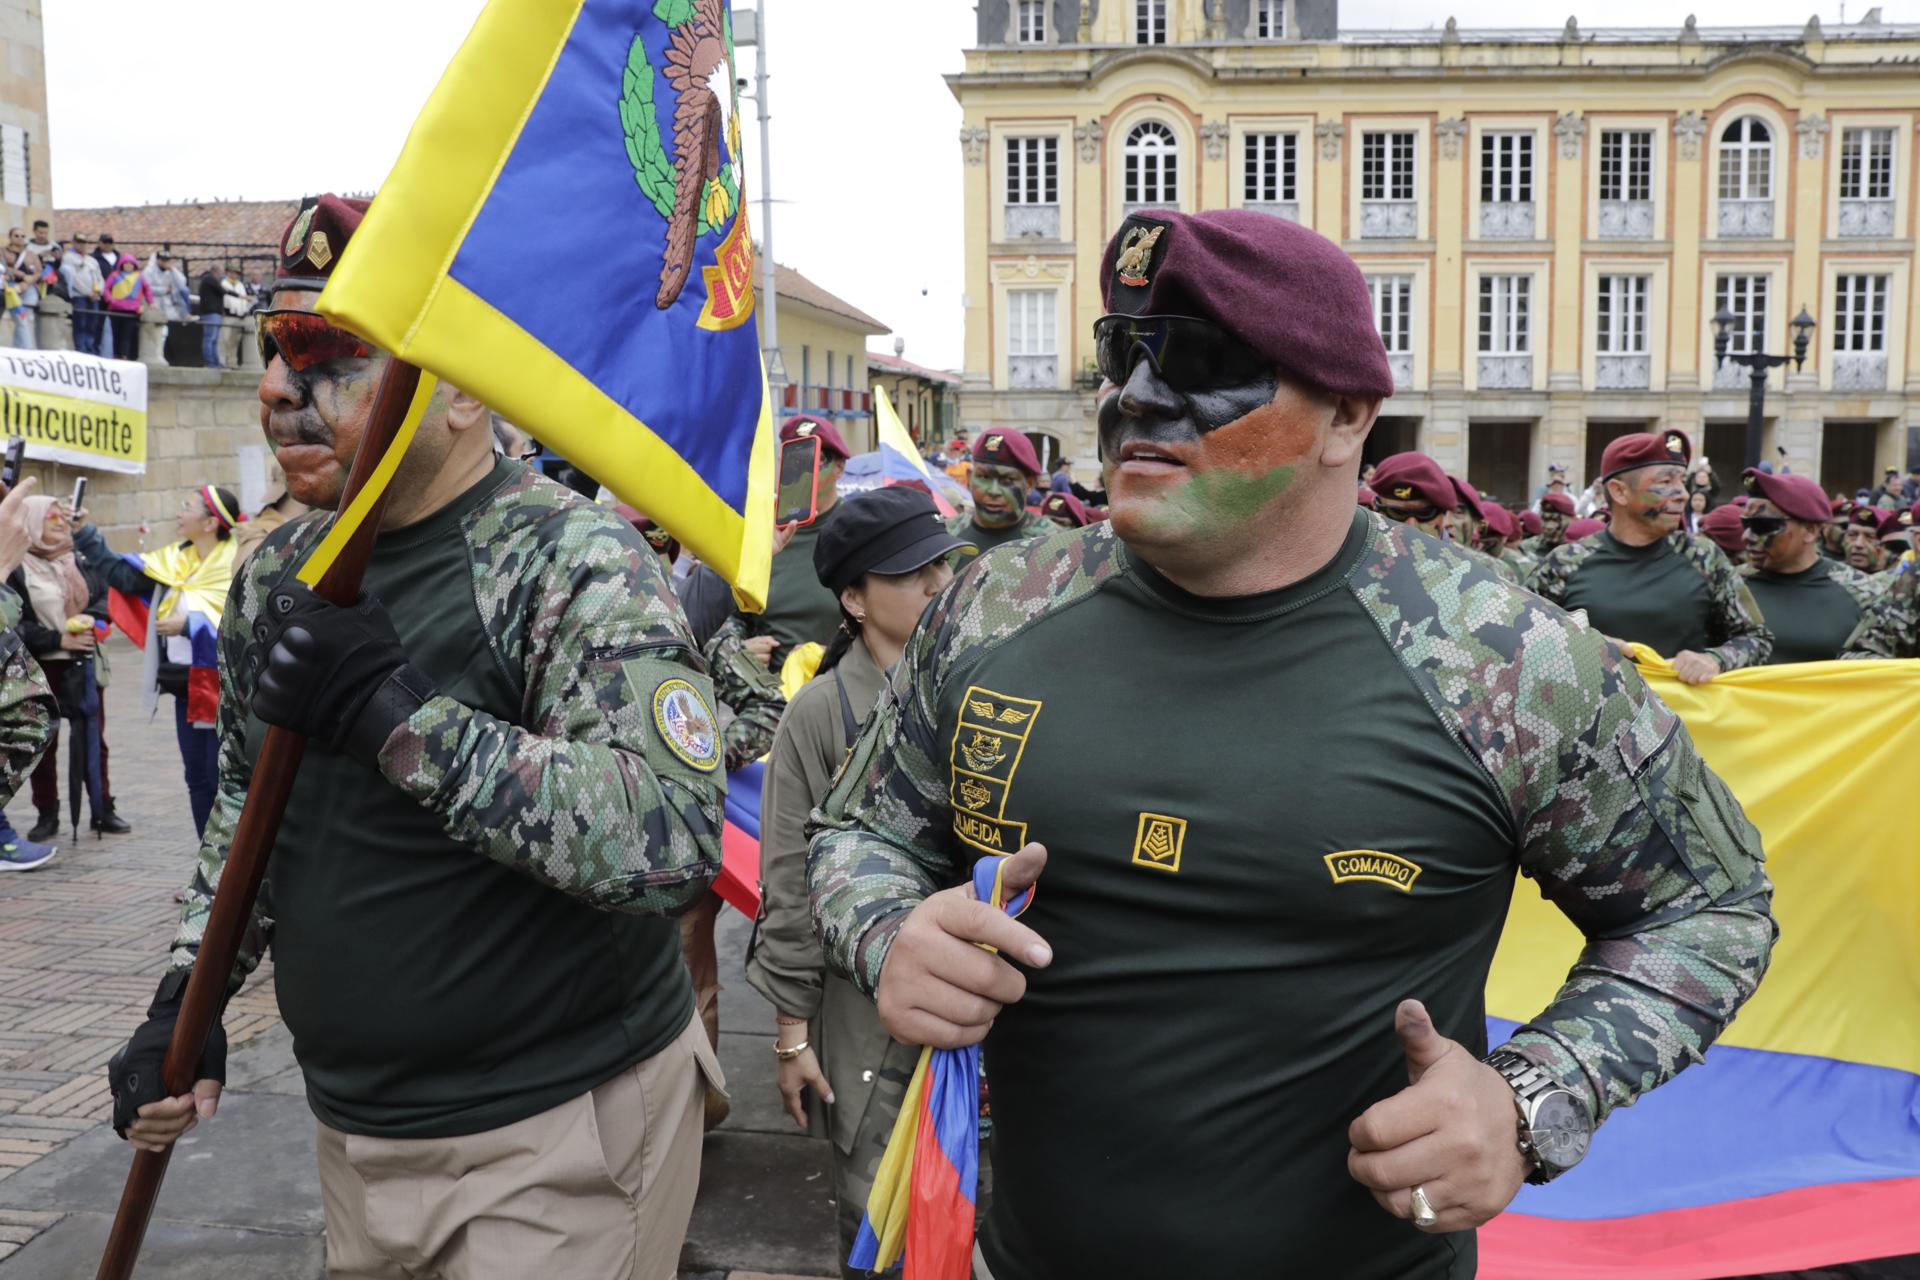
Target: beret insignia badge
x=1136, y=256
x=1676, y=443
x=993, y=444
x=319, y=252
x=804, y=429
x=1403, y=491
x=298, y=231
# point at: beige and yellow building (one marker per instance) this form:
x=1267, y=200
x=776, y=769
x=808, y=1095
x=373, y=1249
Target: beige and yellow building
x=1549, y=219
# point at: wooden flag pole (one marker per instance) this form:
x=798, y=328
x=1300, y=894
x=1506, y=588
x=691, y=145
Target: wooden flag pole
x=253, y=837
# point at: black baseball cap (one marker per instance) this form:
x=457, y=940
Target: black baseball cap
x=892, y=530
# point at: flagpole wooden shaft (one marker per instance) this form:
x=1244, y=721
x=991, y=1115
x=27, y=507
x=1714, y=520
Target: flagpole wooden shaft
x=253, y=837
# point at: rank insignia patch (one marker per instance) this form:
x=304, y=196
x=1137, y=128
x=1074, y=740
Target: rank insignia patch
x=1371, y=864
x=1159, y=841
x=319, y=252
x=987, y=742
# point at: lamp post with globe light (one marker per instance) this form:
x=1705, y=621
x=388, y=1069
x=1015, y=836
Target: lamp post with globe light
x=1758, y=364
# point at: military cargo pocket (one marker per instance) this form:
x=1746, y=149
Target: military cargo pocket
x=1712, y=837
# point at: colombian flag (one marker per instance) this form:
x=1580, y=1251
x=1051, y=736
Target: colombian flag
x=739, y=880
x=1797, y=1142
x=901, y=462
x=618, y=121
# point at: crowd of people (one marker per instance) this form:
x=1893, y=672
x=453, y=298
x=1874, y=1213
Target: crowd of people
x=1270, y=757
x=109, y=291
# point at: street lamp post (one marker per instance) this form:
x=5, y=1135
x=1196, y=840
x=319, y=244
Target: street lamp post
x=1758, y=364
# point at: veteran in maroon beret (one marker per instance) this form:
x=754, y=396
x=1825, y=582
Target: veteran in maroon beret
x=1645, y=580
x=1812, y=604
x=1411, y=488
x=1241, y=737
x=1005, y=470
x=1556, y=508
x=1862, y=539
x=1066, y=511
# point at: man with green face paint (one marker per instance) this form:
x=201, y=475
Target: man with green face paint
x=1411, y=488
x=1273, y=763
x=1645, y=579
x=1812, y=604
x=1005, y=468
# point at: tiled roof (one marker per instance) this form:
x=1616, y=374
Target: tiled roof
x=897, y=364
x=203, y=232
x=792, y=284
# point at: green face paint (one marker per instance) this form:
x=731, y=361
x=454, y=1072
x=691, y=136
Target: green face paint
x=999, y=495
x=1209, y=502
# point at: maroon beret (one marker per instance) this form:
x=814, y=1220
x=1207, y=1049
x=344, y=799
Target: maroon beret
x=1584, y=528
x=1644, y=449
x=1065, y=504
x=1530, y=523
x=1469, y=497
x=1722, y=524
x=1840, y=506
x=1414, y=477
x=1499, y=519
x=312, y=243
x=1008, y=448
x=1896, y=524
x=1796, y=496
x=1558, y=501
x=1290, y=294
x=808, y=427
x=1367, y=496
x=1866, y=515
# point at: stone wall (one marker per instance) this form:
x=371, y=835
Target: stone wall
x=203, y=427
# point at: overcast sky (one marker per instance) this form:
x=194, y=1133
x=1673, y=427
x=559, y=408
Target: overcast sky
x=247, y=99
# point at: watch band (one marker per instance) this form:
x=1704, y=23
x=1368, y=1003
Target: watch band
x=1528, y=1082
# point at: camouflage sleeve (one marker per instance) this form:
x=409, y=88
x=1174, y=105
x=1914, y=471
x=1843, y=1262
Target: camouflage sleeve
x=1890, y=626
x=1548, y=578
x=27, y=708
x=612, y=791
x=1737, y=627
x=749, y=694
x=878, y=844
x=1631, y=835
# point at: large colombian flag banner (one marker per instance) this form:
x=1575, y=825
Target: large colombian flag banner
x=1797, y=1142
x=618, y=120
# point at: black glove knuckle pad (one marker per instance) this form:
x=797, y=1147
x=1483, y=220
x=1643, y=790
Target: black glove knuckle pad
x=323, y=663
x=134, y=1073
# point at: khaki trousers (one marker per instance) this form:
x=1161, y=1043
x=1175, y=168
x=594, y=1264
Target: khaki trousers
x=598, y=1188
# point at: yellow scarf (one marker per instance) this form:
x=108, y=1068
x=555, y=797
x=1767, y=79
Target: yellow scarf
x=200, y=584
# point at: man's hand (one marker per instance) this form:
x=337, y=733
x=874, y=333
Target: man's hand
x=13, y=525
x=158, y=1125
x=938, y=986
x=174, y=624
x=143, y=1113
x=1695, y=668
x=77, y=641
x=798, y=1074
x=319, y=667
x=1453, y=1131
x=761, y=647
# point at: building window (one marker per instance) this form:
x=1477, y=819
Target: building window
x=1149, y=21
x=1866, y=164
x=1031, y=350
x=1503, y=315
x=1506, y=168
x=1746, y=161
x=15, y=173
x=1393, y=311
x=1152, y=167
x=1386, y=166
x=1626, y=164
x=1030, y=22
x=1623, y=315
x=1860, y=313
x=1745, y=298
x=1269, y=19
x=1271, y=175
x=1033, y=170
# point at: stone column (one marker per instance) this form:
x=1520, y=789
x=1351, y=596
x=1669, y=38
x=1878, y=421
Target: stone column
x=153, y=335
x=54, y=328
x=250, y=344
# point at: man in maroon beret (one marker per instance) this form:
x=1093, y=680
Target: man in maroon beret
x=1862, y=539
x=1812, y=604
x=1646, y=580
x=1556, y=508
x=1891, y=628
x=511, y=781
x=1722, y=527
x=1066, y=511
x=1415, y=491
x=1530, y=523
x=1005, y=471
x=1268, y=964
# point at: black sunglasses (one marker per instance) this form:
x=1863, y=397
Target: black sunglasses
x=1420, y=515
x=1190, y=354
x=1763, y=526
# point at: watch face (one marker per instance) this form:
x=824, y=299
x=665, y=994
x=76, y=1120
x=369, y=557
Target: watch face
x=1560, y=1131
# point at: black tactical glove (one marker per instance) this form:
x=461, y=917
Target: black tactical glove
x=133, y=1074
x=337, y=676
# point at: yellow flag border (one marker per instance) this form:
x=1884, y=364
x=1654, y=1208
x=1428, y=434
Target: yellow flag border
x=349, y=521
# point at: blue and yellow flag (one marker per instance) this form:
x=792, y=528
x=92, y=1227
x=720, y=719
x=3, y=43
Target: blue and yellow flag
x=564, y=237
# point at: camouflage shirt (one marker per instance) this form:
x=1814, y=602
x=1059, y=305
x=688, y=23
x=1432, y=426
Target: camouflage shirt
x=1890, y=627
x=580, y=792
x=750, y=700
x=1736, y=634
x=28, y=712
x=1610, y=808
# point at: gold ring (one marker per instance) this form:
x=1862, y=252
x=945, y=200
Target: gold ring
x=1423, y=1214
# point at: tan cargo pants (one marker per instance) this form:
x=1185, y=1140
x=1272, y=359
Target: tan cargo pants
x=598, y=1188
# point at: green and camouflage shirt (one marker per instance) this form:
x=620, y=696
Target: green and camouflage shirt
x=1890, y=627
x=1216, y=795
x=1678, y=594
x=28, y=712
x=751, y=703
x=1811, y=614
x=1028, y=526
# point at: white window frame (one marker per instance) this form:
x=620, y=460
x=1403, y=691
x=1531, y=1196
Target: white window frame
x=1748, y=295
x=1150, y=166
x=1392, y=297
x=1504, y=314
x=1269, y=19
x=1861, y=312
x=1149, y=21
x=1620, y=319
x=1033, y=322
x=1866, y=162
x=1507, y=166
x=1026, y=31
x=1746, y=163
x=1631, y=162
x=1389, y=165
x=1033, y=169
x=1270, y=167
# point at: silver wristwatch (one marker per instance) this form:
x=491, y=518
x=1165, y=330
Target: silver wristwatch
x=1555, y=1125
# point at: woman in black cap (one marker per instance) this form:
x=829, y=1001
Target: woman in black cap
x=885, y=555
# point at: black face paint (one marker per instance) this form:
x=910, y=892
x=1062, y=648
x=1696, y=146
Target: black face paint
x=1146, y=408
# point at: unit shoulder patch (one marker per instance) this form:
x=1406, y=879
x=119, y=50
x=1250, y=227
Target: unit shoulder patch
x=686, y=724
x=1391, y=869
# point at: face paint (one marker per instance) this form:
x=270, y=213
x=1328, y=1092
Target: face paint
x=1216, y=408
x=999, y=495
